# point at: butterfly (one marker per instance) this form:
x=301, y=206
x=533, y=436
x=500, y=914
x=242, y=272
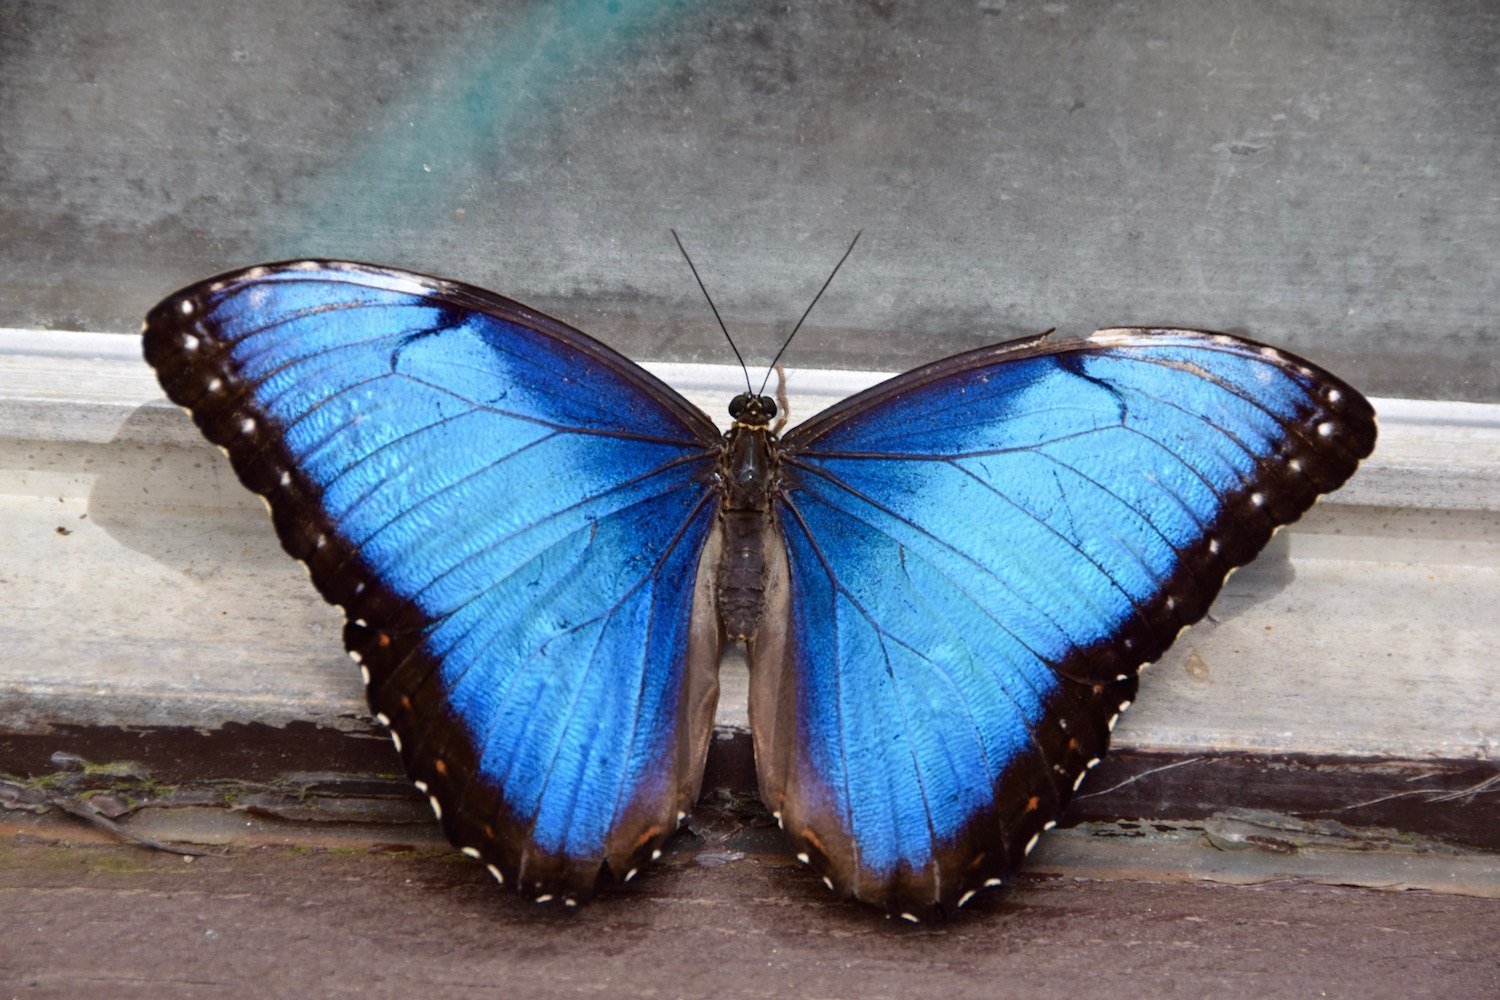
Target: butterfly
x=947, y=583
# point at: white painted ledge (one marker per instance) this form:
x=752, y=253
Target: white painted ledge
x=140, y=585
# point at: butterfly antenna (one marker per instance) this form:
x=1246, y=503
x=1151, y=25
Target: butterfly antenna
x=715, y=309
x=787, y=343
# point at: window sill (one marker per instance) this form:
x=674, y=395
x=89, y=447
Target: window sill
x=149, y=611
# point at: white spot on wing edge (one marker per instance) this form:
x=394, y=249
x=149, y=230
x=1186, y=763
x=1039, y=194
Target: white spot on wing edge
x=910, y=918
x=383, y=719
x=470, y=852
x=656, y=854
x=1032, y=842
x=437, y=808
x=1049, y=824
x=185, y=307
x=992, y=883
x=396, y=739
x=421, y=785
x=364, y=674
x=802, y=857
x=1078, y=780
x=631, y=874
x=828, y=882
x=964, y=899
x=496, y=873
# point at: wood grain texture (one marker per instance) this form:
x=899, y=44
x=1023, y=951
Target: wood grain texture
x=88, y=919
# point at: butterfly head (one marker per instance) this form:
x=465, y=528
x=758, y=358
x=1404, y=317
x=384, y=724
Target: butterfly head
x=752, y=411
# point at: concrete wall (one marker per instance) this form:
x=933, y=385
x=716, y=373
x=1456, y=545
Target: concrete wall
x=1323, y=174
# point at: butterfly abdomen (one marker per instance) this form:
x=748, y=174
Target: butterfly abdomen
x=742, y=572
x=746, y=474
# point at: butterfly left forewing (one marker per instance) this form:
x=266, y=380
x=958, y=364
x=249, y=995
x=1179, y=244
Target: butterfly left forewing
x=979, y=557
x=512, y=517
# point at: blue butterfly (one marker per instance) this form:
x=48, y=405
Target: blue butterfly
x=947, y=583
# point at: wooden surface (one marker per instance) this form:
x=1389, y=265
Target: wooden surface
x=330, y=915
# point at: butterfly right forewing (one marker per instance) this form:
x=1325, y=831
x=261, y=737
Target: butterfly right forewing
x=980, y=555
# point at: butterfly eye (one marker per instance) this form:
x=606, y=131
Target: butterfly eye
x=755, y=411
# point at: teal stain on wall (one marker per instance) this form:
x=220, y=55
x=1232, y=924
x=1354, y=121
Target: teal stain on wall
x=469, y=113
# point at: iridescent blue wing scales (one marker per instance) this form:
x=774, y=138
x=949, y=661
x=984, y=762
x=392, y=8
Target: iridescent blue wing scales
x=978, y=558
x=513, y=518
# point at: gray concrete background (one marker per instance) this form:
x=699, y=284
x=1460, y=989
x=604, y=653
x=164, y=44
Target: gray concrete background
x=1322, y=174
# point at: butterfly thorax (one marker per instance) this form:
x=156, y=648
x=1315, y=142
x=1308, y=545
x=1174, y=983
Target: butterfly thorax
x=747, y=476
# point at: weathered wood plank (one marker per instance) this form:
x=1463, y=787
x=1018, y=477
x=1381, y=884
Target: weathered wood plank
x=85, y=919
